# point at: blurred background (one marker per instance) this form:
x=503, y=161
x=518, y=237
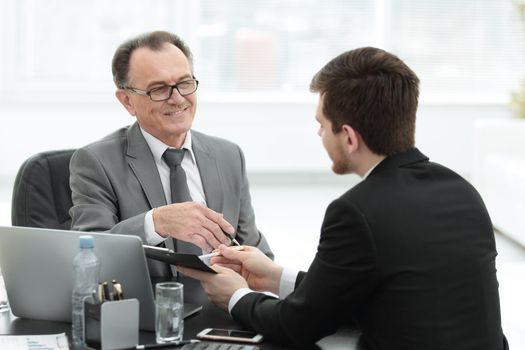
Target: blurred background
x=254, y=60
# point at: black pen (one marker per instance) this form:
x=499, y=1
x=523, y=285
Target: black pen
x=163, y=345
x=231, y=238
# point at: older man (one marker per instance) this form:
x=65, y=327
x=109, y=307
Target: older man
x=159, y=179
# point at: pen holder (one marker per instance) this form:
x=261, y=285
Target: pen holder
x=111, y=324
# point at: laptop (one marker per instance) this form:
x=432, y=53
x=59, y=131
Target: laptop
x=37, y=266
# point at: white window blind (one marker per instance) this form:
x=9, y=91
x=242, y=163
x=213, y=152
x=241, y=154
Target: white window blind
x=468, y=51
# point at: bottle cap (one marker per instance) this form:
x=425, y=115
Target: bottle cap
x=86, y=241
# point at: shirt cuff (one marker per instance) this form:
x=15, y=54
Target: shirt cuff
x=287, y=284
x=152, y=237
x=236, y=296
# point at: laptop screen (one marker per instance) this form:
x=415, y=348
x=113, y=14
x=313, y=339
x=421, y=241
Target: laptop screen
x=37, y=266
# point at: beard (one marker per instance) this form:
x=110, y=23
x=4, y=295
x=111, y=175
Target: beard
x=341, y=168
x=341, y=160
x=341, y=163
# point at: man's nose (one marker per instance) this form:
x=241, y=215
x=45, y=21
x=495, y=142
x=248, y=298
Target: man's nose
x=176, y=97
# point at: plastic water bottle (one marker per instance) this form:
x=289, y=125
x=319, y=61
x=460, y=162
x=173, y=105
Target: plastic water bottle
x=87, y=268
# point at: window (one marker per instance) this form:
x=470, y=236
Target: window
x=463, y=50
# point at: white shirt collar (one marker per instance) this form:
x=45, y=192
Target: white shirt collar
x=370, y=170
x=158, y=147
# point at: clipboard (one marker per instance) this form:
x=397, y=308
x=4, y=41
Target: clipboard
x=173, y=258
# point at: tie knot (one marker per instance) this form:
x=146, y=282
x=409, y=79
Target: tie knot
x=173, y=157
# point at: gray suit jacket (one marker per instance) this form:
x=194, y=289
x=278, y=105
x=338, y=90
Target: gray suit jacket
x=115, y=181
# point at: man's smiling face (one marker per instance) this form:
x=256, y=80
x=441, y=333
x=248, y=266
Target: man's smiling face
x=166, y=120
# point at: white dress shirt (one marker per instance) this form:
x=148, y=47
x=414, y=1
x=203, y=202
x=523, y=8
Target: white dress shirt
x=193, y=179
x=286, y=286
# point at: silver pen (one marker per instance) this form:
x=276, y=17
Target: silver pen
x=211, y=255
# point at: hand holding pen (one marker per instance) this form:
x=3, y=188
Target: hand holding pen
x=217, y=253
x=229, y=235
x=216, y=257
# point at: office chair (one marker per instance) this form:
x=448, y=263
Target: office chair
x=41, y=193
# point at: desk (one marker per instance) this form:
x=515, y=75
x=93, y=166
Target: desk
x=209, y=317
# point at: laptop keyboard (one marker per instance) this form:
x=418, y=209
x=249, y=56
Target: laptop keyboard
x=203, y=345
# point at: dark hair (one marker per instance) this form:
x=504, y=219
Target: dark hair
x=154, y=41
x=375, y=93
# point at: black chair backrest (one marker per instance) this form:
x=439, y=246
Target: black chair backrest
x=41, y=193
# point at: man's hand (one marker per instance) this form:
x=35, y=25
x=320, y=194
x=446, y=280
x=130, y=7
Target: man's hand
x=192, y=222
x=261, y=273
x=220, y=286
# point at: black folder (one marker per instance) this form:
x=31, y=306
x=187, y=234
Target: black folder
x=173, y=258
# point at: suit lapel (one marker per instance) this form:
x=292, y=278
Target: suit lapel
x=143, y=166
x=209, y=172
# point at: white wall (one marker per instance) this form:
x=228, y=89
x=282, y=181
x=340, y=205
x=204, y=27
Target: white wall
x=276, y=137
x=279, y=139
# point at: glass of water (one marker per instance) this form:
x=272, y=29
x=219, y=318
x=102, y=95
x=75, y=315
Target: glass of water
x=169, y=312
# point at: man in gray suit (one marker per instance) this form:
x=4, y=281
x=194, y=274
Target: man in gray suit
x=121, y=183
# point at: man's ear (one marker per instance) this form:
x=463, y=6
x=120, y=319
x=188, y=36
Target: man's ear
x=123, y=97
x=351, y=137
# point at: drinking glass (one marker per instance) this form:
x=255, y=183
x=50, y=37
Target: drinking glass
x=169, y=312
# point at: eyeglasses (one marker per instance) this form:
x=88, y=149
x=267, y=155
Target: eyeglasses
x=163, y=93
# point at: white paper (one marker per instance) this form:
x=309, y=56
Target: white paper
x=34, y=342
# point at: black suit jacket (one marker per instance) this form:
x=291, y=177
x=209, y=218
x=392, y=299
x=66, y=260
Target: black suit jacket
x=408, y=254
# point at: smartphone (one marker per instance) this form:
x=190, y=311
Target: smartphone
x=230, y=335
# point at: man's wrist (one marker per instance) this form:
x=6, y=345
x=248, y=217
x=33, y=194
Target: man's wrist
x=236, y=296
x=156, y=218
x=287, y=282
x=276, y=280
x=152, y=237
